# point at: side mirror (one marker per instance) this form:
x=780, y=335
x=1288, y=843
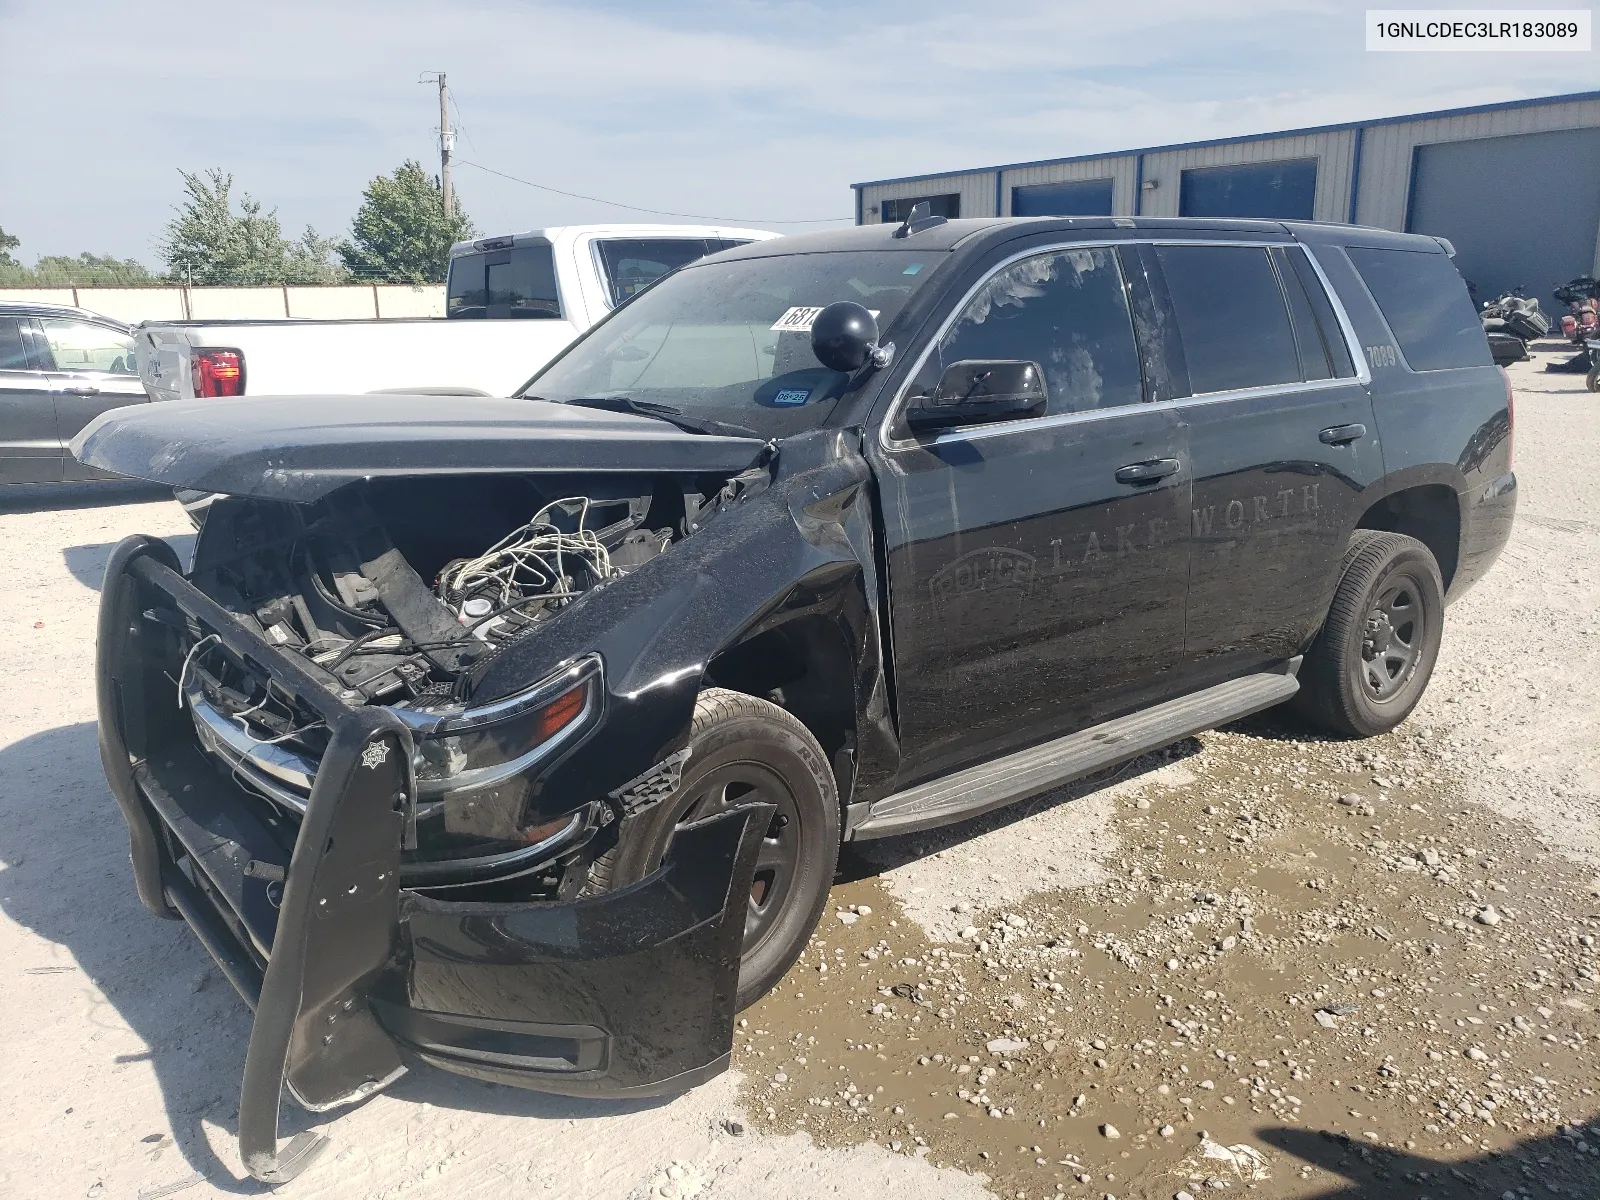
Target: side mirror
x=844, y=336
x=976, y=391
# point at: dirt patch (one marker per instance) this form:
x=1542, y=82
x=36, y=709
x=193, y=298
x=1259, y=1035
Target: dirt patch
x=1316, y=962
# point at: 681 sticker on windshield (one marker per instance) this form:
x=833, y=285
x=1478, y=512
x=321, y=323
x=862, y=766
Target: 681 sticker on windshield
x=800, y=320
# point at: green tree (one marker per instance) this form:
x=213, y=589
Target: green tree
x=401, y=233
x=61, y=270
x=208, y=243
x=89, y=270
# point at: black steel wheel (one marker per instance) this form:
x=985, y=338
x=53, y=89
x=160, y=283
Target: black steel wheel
x=1391, y=643
x=744, y=749
x=1372, y=659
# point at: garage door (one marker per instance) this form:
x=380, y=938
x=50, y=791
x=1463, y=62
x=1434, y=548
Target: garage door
x=1284, y=190
x=1080, y=198
x=1520, y=210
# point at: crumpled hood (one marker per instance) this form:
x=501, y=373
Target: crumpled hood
x=300, y=448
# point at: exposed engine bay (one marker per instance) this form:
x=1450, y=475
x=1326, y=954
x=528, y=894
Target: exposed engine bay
x=402, y=593
x=400, y=590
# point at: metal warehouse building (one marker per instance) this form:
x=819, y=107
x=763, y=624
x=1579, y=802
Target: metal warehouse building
x=1515, y=186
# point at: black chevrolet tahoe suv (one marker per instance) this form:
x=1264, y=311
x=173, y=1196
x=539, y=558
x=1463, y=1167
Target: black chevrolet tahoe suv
x=520, y=736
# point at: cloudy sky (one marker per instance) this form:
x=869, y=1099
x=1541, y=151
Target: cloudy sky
x=755, y=110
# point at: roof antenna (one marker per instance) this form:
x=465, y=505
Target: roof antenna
x=919, y=218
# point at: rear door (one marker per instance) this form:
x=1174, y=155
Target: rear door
x=30, y=447
x=1284, y=446
x=92, y=370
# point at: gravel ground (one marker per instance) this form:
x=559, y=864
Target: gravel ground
x=1390, y=995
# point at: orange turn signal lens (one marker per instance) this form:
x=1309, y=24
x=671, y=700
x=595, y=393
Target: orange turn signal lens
x=561, y=712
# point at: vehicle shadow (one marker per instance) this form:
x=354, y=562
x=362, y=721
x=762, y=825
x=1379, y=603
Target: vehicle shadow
x=1281, y=725
x=48, y=497
x=888, y=853
x=67, y=879
x=1551, y=1163
x=88, y=563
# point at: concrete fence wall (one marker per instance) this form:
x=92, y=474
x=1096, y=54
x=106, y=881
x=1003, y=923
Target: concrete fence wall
x=343, y=302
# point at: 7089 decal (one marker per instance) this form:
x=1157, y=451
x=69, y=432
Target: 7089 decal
x=1382, y=356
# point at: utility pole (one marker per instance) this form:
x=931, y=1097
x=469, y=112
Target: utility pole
x=447, y=146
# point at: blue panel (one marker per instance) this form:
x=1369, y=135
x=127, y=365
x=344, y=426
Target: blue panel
x=1520, y=210
x=1082, y=198
x=1283, y=191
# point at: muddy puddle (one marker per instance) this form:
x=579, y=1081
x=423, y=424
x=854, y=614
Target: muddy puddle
x=1311, y=970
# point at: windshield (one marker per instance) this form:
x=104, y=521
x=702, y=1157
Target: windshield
x=731, y=341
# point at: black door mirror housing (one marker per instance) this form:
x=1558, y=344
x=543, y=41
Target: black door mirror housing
x=976, y=391
x=844, y=336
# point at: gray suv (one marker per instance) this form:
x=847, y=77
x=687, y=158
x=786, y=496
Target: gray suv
x=60, y=367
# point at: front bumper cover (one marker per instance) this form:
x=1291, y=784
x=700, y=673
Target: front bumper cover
x=631, y=993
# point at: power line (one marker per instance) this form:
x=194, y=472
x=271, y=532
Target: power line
x=655, y=212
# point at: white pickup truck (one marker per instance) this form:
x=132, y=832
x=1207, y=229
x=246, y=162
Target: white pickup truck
x=512, y=304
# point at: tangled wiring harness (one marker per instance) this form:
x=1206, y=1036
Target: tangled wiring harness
x=537, y=562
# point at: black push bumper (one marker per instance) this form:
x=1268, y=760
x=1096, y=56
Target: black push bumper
x=631, y=993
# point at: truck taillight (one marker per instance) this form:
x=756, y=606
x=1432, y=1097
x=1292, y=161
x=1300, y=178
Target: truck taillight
x=217, y=372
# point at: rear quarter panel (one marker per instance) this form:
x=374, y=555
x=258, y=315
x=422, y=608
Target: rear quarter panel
x=1449, y=427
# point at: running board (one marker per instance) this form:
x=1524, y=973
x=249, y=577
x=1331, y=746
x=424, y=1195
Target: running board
x=1038, y=769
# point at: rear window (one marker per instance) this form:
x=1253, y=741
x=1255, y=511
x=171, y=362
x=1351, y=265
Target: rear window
x=1425, y=303
x=629, y=265
x=516, y=282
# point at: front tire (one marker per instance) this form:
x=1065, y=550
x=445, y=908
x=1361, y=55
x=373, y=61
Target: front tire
x=745, y=749
x=1371, y=661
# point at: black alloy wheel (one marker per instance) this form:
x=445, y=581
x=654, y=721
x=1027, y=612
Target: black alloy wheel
x=1371, y=661
x=744, y=749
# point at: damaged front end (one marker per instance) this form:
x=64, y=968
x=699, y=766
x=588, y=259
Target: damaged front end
x=425, y=672
x=385, y=856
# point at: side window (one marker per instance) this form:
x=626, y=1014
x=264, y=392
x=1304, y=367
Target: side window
x=1425, y=303
x=633, y=264
x=1231, y=317
x=13, y=351
x=84, y=346
x=1067, y=311
x=1332, y=335
x=1308, y=338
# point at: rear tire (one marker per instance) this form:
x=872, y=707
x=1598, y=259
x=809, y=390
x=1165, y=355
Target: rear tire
x=745, y=749
x=1372, y=659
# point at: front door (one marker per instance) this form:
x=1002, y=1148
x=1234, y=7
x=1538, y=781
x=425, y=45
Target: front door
x=30, y=447
x=1036, y=583
x=1284, y=445
x=93, y=371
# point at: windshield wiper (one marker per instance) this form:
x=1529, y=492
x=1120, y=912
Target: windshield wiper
x=664, y=412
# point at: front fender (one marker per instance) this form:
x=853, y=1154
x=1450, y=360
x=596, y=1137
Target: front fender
x=802, y=546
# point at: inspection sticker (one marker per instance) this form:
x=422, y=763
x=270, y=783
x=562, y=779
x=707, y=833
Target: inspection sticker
x=791, y=397
x=799, y=320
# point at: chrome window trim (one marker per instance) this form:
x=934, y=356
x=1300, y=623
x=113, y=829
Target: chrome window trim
x=961, y=433
x=1351, y=341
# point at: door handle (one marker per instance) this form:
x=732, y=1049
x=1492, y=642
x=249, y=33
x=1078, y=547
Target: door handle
x=1340, y=435
x=1149, y=471
x=81, y=391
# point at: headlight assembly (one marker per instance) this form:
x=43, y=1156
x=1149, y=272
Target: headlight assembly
x=462, y=749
